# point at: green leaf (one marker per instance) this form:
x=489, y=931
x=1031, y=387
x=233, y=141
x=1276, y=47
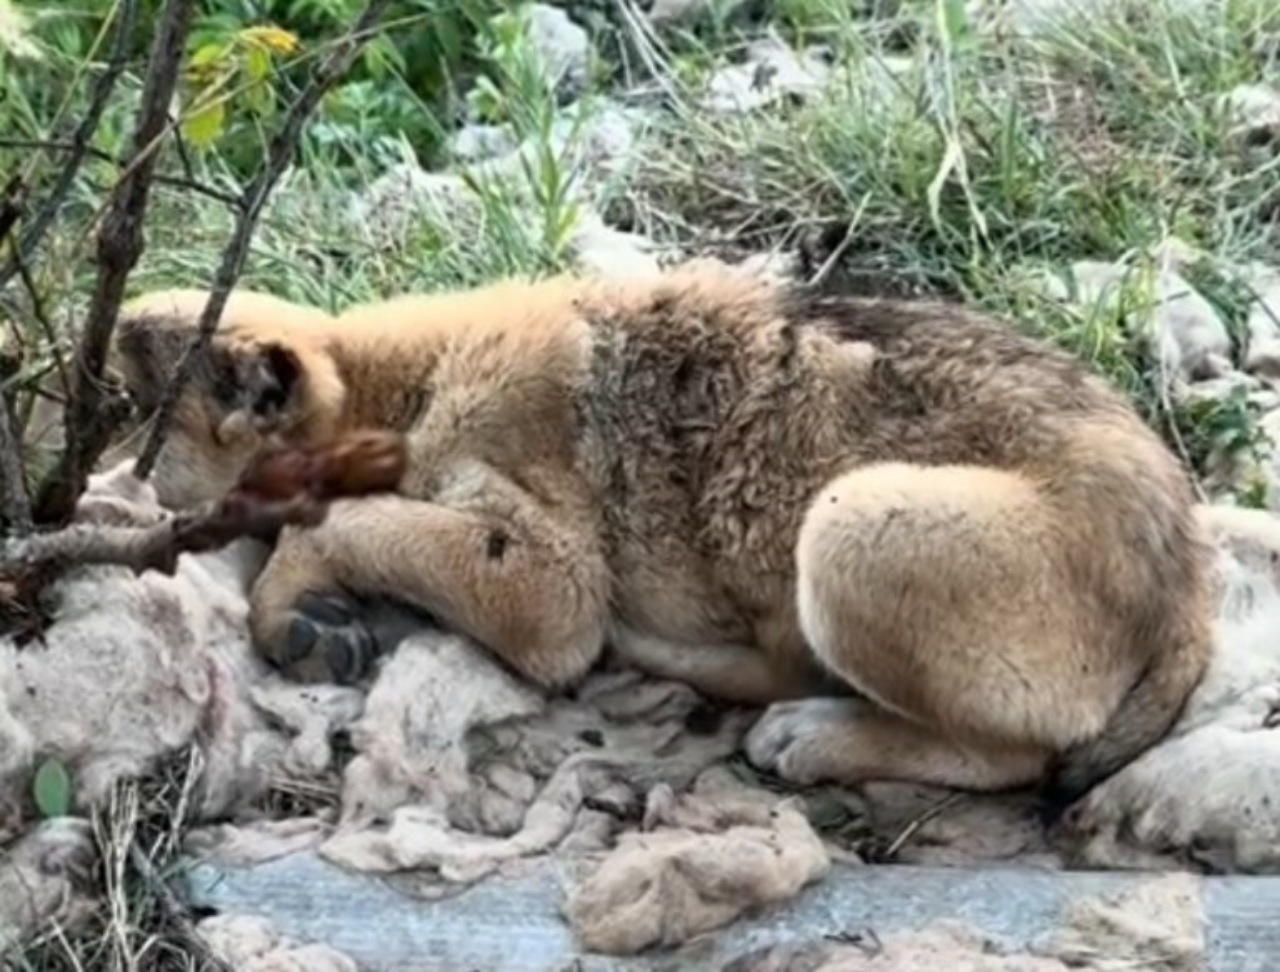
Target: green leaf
x=52, y=788
x=260, y=98
x=203, y=127
x=209, y=54
x=257, y=63
x=955, y=20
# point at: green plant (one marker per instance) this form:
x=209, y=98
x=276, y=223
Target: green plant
x=51, y=788
x=517, y=89
x=952, y=168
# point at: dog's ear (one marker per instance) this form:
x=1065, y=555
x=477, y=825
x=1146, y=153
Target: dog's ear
x=257, y=384
x=268, y=380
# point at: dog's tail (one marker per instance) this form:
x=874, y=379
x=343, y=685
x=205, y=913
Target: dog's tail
x=1146, y=713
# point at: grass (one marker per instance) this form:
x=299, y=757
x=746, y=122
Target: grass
x=977, y=162
x=945, y=159
x=139, y=924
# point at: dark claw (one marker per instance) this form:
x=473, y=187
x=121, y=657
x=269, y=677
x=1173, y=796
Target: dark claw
x=327, y=640
x=343, y=660
x=350, y=653
x=300, y=639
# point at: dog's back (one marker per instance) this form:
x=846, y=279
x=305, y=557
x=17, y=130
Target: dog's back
x=724, y=409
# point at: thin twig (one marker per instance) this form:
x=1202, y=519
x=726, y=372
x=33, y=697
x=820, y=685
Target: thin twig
x=12, y=203
x=910, y=829
x=120, y=244
x=177, y=182
x=837, y=252
x=146, y=548
x=279, y=154
x=42, y=318
x=867, y=942
x=80, y=139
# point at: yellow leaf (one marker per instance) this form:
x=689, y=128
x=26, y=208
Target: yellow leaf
x=273, y=38
x=203, y=127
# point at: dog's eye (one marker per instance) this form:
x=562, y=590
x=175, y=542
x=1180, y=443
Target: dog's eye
x=224, y=385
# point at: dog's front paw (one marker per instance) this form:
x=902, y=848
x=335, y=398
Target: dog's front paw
x=795, y=740
x=324, y=639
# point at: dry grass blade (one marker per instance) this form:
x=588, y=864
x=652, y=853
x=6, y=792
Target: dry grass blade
x=140, y=922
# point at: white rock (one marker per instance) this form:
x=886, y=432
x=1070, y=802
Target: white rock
x=1221, y=388
x=476, y=141
x=1223, y=740
x=301, y=199
x=563, y=46
x=46, y=877
x=1185, y=334
x=1264, y=358
x=1254, y=108
x=392, y=203
x=668, y=11
x=604, y=251
x=608, y=136
x=601, y=142
x=779, y=267
x=771, y=70
x=252, y=944
x=1176, y=253
x=1263, y=323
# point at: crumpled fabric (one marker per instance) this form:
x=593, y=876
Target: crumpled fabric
x=447, y=769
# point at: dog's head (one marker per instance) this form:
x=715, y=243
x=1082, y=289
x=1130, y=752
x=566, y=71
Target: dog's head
x=265, y=374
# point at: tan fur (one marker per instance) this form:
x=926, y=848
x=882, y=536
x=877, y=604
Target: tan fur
x=769, y=494
x=214, y=443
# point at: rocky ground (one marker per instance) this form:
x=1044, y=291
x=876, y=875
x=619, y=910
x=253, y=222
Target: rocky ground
x=1100, y=172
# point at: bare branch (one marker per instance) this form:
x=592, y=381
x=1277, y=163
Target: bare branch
x=83, y=134
x=281, y=486
x=120, y=243
x=279, y=154
x=156, y=547
x=15, y=505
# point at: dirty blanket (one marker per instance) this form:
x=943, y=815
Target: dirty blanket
x=446, y=769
